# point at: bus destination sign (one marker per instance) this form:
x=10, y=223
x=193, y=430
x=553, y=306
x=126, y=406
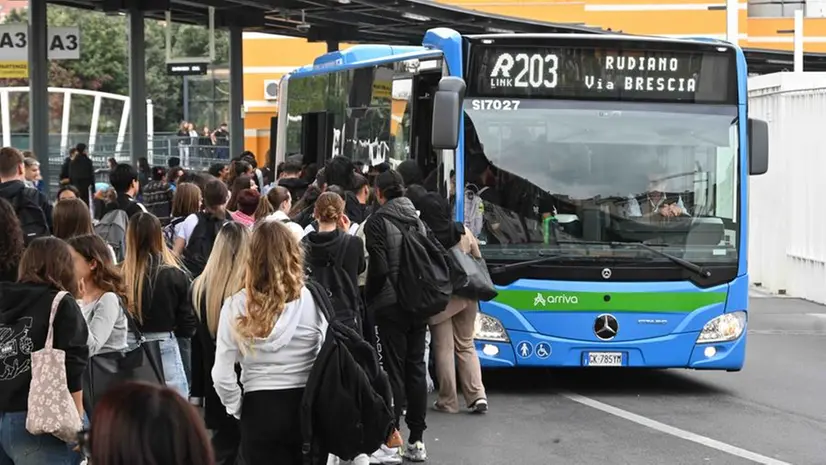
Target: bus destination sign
x=603, y=74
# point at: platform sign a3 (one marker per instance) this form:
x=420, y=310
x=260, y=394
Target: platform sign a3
x=63, y=43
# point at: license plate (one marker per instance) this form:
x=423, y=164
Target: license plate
x=604, y=359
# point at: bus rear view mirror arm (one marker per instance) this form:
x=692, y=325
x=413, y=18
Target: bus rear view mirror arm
x=758, y=131
x=447, y=113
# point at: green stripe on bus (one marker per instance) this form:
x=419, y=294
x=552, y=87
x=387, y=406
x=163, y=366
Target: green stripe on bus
x=564, y=301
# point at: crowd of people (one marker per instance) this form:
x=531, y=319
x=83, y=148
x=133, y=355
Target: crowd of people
x=215, y=269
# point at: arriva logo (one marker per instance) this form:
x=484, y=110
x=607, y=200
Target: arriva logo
x=550, y=299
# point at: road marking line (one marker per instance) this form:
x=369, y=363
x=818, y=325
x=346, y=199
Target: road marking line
x=683, y=434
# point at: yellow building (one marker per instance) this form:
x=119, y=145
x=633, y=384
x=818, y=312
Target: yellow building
x=763, y=24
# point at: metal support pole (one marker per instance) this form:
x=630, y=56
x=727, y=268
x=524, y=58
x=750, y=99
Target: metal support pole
x=732, y=21
x=236, y=91
x=186, y=99
x=332, y=46
x=39, y=88
x=798, y=41
x=137, y=85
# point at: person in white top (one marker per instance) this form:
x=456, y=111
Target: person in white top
x=273, y=329
x=277, y=207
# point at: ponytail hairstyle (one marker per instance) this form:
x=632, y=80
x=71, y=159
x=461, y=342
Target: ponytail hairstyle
x=390, y=185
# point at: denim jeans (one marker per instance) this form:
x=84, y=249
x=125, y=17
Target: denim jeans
x=173, y=365
x=185, y=346
x=19, y=447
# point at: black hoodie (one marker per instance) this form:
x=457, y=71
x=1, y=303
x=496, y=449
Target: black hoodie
x=296, y=186
x=325, y=246
x=24, y=323
x=11, y=189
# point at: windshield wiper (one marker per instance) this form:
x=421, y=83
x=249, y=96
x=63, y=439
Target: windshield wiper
x=510, y=266
x=690, y=266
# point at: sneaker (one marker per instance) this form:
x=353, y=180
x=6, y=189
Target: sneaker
x=361, y=459
x=386, y=456
x=480, y=406
x=416, y=452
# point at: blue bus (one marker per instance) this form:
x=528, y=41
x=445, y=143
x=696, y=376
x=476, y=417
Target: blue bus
x=605, y=176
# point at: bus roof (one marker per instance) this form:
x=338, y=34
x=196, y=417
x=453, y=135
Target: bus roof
x=606, y=37
x=359, y=56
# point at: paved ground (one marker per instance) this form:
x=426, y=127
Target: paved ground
x=773, y=412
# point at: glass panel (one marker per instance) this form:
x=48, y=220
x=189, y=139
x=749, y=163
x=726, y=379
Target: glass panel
x=552, y=173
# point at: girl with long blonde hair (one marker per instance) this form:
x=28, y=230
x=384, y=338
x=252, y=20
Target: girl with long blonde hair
x=274, y=330
x=158, y=295
x=223, y=277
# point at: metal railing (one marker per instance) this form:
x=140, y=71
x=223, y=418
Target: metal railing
x=193, y=153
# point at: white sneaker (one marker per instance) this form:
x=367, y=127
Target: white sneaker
x=362, y=459
x=416, y=452
x=386, y=456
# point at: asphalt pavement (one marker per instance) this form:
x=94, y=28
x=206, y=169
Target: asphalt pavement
x=773, y=412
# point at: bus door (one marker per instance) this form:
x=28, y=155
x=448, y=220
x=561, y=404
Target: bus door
x=424, y=85
x=316, y=137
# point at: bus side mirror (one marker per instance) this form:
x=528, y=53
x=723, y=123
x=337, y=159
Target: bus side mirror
x=447, y=113
x=758, y=146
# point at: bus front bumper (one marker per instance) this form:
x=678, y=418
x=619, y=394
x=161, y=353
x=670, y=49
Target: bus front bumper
x=671, y=351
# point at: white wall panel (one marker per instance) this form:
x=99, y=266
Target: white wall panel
x=787, y=218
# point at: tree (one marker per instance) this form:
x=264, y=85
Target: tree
x=104, y=63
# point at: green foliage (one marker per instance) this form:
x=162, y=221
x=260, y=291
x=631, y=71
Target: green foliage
x=104, y=63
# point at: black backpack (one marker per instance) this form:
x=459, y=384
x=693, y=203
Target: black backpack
x=424, y=282
x=329, y=272
x=346, y=409
x=200, y=244
x=31, y=215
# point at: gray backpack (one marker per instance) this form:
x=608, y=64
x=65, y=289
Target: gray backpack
x=112, y=228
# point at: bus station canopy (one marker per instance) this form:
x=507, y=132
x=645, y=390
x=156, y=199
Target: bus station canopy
x=378, y=21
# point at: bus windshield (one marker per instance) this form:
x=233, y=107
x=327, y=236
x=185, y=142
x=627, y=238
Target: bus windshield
x=543, y=174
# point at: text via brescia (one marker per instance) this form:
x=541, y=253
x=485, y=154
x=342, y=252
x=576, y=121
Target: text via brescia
x=614, y=68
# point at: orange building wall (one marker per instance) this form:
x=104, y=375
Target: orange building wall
x=269, y=57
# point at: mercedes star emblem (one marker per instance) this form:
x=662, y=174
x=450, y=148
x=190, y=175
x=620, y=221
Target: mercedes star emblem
x=606, y=327
x=606, y=273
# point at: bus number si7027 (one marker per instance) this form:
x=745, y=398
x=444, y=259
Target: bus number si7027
x=495, y=104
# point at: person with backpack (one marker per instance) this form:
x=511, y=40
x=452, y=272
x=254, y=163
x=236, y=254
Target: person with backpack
x=124, y=179
x=275, y=206
x=194, y=240
x=158, y=291
x=335, y=259
x=222, y=278
x=32, y=207
x=408, y=281
x=185, y=202
x=274, y=330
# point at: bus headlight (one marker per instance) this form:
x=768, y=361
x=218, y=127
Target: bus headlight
x=726, y=327
x=489, y=328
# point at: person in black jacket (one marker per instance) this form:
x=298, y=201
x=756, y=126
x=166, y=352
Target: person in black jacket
x=11, y=242
x=158, y=289
x=13, y=188
x=401, y=337
x=124, y=179
x=223, y=277
x=82, y=173
x=46, y=269
x=330, y=249
x=64, y=170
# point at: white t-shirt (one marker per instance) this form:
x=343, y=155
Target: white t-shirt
x=185, y=228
